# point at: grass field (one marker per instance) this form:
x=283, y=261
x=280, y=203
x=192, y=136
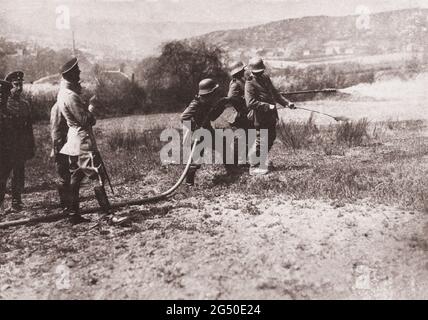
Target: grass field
x=344, y=215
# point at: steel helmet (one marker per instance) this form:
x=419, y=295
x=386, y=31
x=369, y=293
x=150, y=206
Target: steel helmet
x=236, y=68
x=207, y=86
x=257, y=65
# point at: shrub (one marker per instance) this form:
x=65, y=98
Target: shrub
x=172, y=78
x=352, y=133
x=41, y=104
x=297, y=135
x=131, y=139
x=117, y=94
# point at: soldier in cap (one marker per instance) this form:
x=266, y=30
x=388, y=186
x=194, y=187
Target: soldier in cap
x=80, y=146
x=261, y=97
x=201, y=111
x=18, y=132
x=235, y=98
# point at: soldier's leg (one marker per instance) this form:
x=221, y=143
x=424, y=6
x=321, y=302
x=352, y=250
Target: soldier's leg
x=18, y=184
x=254, y=152
x=228, y=151
x=271, y=137
x=194, y=167
x=6, y=166
x=77, y=176
x=63, y=181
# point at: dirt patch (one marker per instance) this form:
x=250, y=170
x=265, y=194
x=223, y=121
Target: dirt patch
x=220, y=249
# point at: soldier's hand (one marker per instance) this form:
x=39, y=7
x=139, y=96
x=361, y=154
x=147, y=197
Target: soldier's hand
x=94, y=101
x=92, y=108
x=292, y=106
x=272, y=107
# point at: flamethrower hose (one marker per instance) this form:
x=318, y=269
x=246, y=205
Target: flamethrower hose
x=61, y=216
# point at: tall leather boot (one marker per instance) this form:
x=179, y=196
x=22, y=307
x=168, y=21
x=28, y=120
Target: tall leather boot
x=64, y=196
x=101, y=195
x=75, y=217
x=190, y=177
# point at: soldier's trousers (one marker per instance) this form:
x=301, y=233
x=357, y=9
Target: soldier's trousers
x=16, y=167
x=195, y=166
x=89, y=166
x=62, y=164
x=255, y=148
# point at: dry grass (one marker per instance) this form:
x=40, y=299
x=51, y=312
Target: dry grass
x=297, y=135
x=334, y=162
x=352, y=133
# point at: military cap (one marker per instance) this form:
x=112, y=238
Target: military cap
x=5, y=85
x=207, y=86
x=257, y=65
x=15, y=77
x=69, y=66
x=236, y=68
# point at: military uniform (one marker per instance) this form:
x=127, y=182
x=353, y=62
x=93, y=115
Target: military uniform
x=19, y=145
x=59, y=131
x=5, y=87
x=261, y=97
x=80, y=147
x=200, y=114
x=236, y=97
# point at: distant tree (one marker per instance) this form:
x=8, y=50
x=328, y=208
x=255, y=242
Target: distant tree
x=116, y=94
x=171, y=80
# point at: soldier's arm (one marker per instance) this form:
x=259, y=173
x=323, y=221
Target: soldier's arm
x=57, y=140
x=188, y=115
x=235, y=96
x=279, y=98
x=28, y=133
x=218, y=109
x=251, y=98
x=75, y=109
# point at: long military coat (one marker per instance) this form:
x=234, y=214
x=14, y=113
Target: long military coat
x=260, y=94
x=79, y=121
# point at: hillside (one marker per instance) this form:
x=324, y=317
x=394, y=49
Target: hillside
x=310, y=37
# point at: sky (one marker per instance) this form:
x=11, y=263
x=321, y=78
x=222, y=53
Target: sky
x=140, y=24
x=211, y=11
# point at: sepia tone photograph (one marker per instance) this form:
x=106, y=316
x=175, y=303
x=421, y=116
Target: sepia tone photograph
x=213, y=150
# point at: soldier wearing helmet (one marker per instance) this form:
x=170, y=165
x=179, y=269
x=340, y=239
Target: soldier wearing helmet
x=261, y=97
x=18, y=140
x=201, y=111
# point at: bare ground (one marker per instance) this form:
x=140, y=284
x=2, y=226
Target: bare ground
x=197, y=249
x=351, y=224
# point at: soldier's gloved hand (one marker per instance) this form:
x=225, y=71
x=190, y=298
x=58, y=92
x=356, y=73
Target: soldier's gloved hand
x=272, y=107
x=292, y=106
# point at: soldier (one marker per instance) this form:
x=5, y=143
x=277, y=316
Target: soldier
x=80, y=146
x=236, y=96
x=4, y=154
x=261, y=97
x=201, y=111
x=19, y=140
x=236, y=99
